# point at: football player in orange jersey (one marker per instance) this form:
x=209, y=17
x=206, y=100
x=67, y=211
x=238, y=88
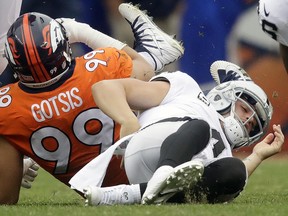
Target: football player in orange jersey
x=55, y=119
x=77, y=33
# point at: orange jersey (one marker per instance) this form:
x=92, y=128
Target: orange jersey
x=60, y=126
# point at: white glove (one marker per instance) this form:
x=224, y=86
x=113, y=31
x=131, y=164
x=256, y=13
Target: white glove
x=30, y=168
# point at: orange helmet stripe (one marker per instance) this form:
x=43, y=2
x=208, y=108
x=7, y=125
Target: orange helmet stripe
x=39, y=72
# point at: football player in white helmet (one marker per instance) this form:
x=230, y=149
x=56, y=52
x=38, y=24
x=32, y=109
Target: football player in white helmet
x=179, y=141
x=183, y=140
x=274, y=21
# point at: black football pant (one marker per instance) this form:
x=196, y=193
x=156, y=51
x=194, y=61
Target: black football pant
x=222, y=180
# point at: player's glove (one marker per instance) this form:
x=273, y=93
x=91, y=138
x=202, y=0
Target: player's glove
x=30, y=171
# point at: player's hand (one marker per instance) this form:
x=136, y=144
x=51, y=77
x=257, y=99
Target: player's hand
x=30, y=172
x=271, y=144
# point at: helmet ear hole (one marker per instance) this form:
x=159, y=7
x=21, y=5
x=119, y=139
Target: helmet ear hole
x=218, y=99
x=37, y=48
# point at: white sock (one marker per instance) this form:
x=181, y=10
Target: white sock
x=136, y=192
x=153, y=61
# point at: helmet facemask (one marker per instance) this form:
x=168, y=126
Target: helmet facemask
x=255, y=102
x=236, y=129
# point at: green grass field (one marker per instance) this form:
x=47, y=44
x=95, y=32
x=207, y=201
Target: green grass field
x=265, y=194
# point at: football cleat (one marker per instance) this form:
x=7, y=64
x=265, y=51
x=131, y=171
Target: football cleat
x=167, y=181
x=223, y=71
x=149, y=38
x=120, y=194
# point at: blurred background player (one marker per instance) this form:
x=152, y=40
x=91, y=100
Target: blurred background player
x=274, y=22
x=9, y=12
x=250, y=47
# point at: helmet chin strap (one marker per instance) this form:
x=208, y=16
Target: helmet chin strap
x=233, y=129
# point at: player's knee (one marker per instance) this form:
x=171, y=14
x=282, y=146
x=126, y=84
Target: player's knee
x=179, y=147
x=225, y=179
x=198, y=134
x=201, y=126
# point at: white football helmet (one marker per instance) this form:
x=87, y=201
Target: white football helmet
x=224, y=96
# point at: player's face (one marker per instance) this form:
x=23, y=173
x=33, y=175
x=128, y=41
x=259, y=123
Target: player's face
x=246, y=114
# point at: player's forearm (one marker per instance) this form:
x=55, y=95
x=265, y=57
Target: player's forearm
x=82, y=32
x=95, y=39
x=252, y=162
x=110, y=97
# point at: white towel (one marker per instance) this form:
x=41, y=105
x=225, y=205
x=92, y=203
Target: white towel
x=94, y=172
